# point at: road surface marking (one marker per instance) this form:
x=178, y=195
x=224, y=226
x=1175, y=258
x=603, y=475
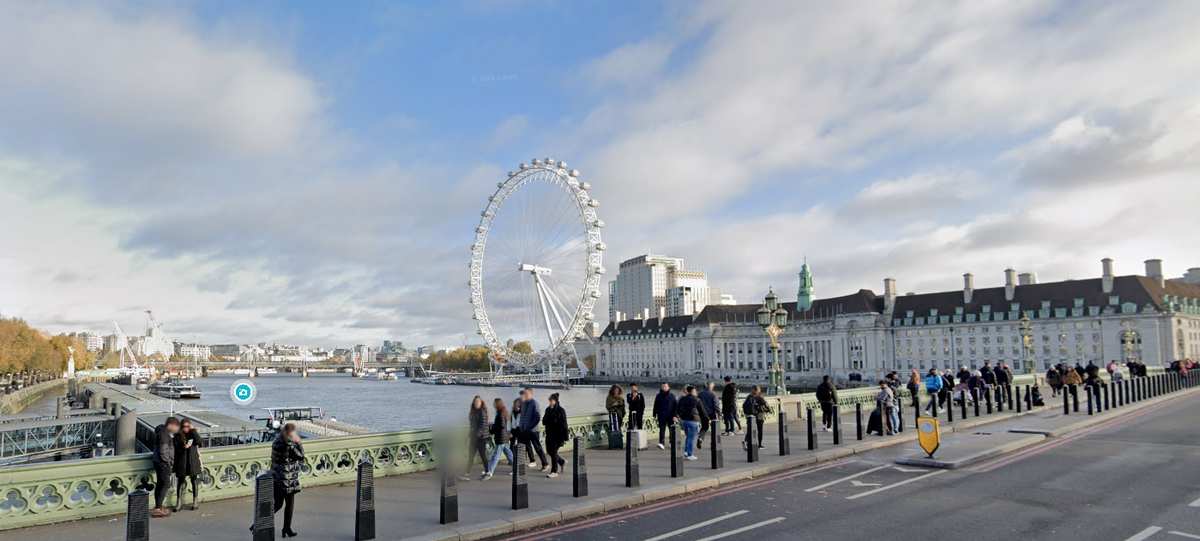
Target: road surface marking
x=1145, y=534
x=894, y=485
x=847, y=478
x=908, y=470
x=1194, y=504
x=697, y=526
x=743, y=529
x=1187, y=535
x=862, y=484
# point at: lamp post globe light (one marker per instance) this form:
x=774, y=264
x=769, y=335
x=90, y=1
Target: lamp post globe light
x=773, y=319
x=1026, y=331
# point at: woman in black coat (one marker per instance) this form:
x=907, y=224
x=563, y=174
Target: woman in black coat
x=557, y=434
x=187, y=463
x=481, y=433
x=287, y=457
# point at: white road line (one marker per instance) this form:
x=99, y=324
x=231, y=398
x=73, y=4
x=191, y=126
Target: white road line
x=1194, y=504
x=1187, y=535
x=743, y=529
x=844, y=479
x=1145, y=534
x=698, y=526
x=894, y=485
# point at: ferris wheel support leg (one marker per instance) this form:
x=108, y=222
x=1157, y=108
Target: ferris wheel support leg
x=542, y=300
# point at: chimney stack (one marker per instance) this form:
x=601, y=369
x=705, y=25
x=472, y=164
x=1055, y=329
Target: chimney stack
x=968, y=287
x=1106, y=277
x=1010, y=284
x=889, y=295
x=1154, y=270
x=1027, y=278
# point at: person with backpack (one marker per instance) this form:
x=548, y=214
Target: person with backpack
x=827, y=397
x=729, y=397
x=692, y=415
x=665, y=406
x=757, y=406
x=888, y=418
x=933, y=386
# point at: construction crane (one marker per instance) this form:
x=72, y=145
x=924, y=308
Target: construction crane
x=155, y=330
x=123, y=349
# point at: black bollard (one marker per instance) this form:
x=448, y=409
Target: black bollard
x=1091, y=398
x=950, y=407
x=751, y=441
x=1016, y=402
x=962, y=404
x=718, y=455
x=883, y=418
x=785, y=443
x=987, y=396
x=858, y=427
x=264, y=507
x=449, y=498
x=916, y=410
x=676, y=455
x=1075, y=398
x=137, y=518
x=1008, y=388
x=1107, y=391
x=999, y=399
x=837, y=424
x=1066, y=392
x=364, y=504
x=633, y=476
x=579, y=480
x=520, y=483
x=976, y=398
x=1028, y=399
x=812, y=435
x=899, y=415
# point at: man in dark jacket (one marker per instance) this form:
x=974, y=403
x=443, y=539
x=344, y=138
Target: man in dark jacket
x=164, y=463
x=1002, y=381
x=665, y=406
x=692, y=414
x=827, y=397
x=531, y=419
x=729, y=405
x=709, y=399
x=989, y=376
x=637, y=406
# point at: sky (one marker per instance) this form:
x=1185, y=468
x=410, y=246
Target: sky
x=312, y=172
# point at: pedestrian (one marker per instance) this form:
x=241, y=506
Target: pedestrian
x=945, y=395
x=481, y=432
x=557, y=434
x=187, y=463
x=933, y=387
x=1118, y=372
x=164, y=463
x=1054, y=379
x=692, y=415
x=1003, y=378
x=757, y=406
x=914, y=384
x=665, y=406
x=500, y=439
x=637, y=406
x=709, y=399
x=287, y=457
x=531, y=419
x=729, y=397
x=989, y=376
x=827, y=397
x=615, y=405
x=516, y=429
x=888, y=417
x=963, y=374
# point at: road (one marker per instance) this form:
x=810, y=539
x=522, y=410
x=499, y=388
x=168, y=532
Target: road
x=1134, y=478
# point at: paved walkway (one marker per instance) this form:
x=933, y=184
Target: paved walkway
x=407, y=505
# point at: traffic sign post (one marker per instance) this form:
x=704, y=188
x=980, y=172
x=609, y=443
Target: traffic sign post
x=928, y=435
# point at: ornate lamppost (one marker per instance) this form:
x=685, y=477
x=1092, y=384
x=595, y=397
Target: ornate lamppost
x=1026, y=331
x=773, y=320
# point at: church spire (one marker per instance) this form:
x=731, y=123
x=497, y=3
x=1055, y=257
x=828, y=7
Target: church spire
x=805, y=296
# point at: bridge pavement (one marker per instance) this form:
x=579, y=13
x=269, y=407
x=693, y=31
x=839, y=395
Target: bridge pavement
x=407, y=506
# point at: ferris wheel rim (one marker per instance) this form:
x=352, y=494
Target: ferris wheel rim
x=568, y=180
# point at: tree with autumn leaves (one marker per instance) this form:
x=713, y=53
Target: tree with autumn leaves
x=25, y=349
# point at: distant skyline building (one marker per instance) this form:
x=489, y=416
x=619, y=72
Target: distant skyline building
x=652, y=286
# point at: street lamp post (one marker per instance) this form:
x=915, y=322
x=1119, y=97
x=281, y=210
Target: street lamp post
x=773, y=320
x=1026, y=331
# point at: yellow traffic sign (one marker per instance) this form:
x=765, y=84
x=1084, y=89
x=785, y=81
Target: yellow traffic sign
x=928, y=435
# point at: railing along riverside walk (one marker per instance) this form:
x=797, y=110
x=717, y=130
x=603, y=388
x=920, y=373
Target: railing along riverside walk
x=71, y=490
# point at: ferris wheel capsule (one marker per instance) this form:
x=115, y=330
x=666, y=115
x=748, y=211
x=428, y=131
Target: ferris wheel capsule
x=574, y=173
x=536, y=161
x=585, y=186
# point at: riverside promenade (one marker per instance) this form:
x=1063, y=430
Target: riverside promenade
x=407, y=505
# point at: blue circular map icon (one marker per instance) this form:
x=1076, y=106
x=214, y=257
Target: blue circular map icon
x=243, y=392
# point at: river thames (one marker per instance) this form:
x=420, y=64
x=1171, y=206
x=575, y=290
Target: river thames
x=379, y=405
